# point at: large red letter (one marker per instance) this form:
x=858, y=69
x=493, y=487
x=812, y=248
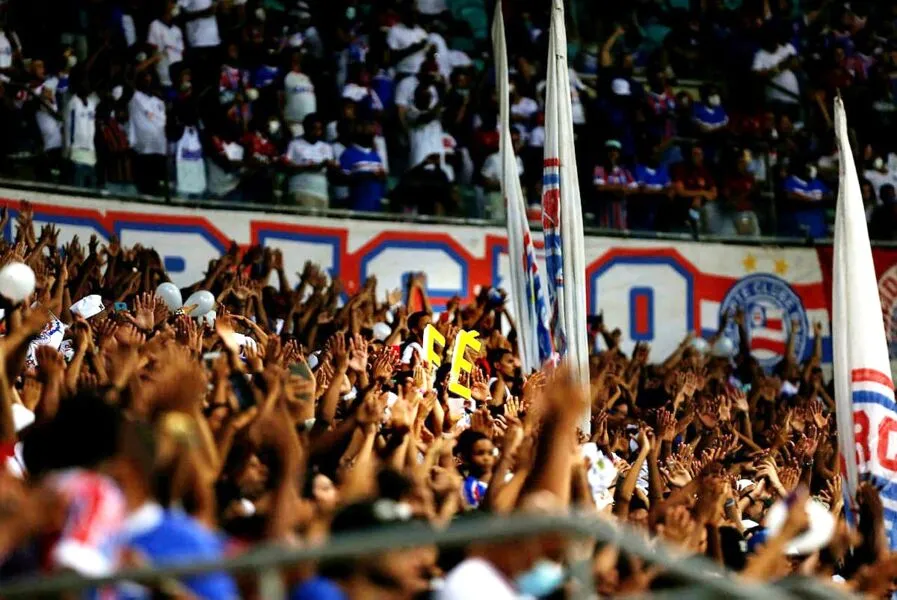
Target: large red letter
x=886, y=459
x=861, y=436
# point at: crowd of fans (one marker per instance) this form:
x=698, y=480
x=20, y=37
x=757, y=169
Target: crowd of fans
x=710, y=118
x=135, y=433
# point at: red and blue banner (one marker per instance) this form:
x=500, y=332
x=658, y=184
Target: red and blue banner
x=655, y=292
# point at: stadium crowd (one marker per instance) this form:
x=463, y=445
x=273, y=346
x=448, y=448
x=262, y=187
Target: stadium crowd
x=136, y=433
x=707, y=116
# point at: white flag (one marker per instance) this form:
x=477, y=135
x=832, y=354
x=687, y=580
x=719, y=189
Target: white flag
x=533, y=336
x=562, y=212
x=864, y=393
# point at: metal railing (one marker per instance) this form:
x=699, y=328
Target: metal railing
x=698, y=573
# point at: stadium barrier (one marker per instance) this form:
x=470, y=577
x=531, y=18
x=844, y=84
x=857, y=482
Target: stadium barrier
x=699, y=576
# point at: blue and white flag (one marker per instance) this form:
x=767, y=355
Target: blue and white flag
x=864, y=393
x=562, y=212
x=533, y=335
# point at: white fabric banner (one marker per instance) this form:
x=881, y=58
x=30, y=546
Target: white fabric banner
x=562, y=212
x=864, y=393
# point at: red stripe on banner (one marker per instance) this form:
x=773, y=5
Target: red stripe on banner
x=872, y=375
x=641, y=314
x=767, y=344
x=774, y=324
x=552, y=162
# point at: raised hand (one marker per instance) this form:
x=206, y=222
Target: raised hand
x=144, y=312
x=739, y=400
x=358, y=354
x=666, y=425
x=339, y=351
x=479, y=387
x=483, y=422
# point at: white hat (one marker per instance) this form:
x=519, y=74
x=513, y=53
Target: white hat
x=743, y=483
x=817, y=536
x=722, y=348
x=22, y=417
x=244, y=340
x=381, y=331
x=88, y=306
x=621, y=87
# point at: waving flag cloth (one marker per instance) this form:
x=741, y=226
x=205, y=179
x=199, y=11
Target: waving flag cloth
x=533, y=335
x=562, y=213
x=864, y=394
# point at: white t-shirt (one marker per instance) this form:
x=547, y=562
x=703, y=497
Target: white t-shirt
x=169, y=41
x=492, y=167
x=300, y=97
x=425, y=136
x=764, y=61
x=338, y=192
x=301, y=153
x=5, y=51
x=405, y=91
x=444, y=57
x=357, y=93
x=50, y=127
x=576, y=107
x=399, y=37
x=189, y=164
x=576, y=85
x=146, y=126
x=476, y=578
x=201, y=33
x=80, y=128
x=430, y=7
x=524, y=108
x=129, y=29
x=878, y=179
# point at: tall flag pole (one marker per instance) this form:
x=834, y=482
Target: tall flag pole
x=864, y=393
x=533, y=333
x=562, y=212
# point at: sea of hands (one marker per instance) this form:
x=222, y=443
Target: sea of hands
x=698, y=442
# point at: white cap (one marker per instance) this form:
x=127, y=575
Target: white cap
x=244, y=340
x=22, y=417
x=381, y=331
x=723, y=348
x=88, y=306
x=621, y=87
x=743, y=483
x=819, y=534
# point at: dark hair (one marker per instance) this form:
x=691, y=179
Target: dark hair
x=415, y=318
x=85, y=432
x=466, y=441
x=496, y=354
x=309, y=120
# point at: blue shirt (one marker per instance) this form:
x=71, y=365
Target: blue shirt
x=814, y=188
x=366, y=191
x=811, y=218
x=710, y=116
x=385, y=87
x=318, y=588
x=170, y=537
x=265, y=76
x=652, y=178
